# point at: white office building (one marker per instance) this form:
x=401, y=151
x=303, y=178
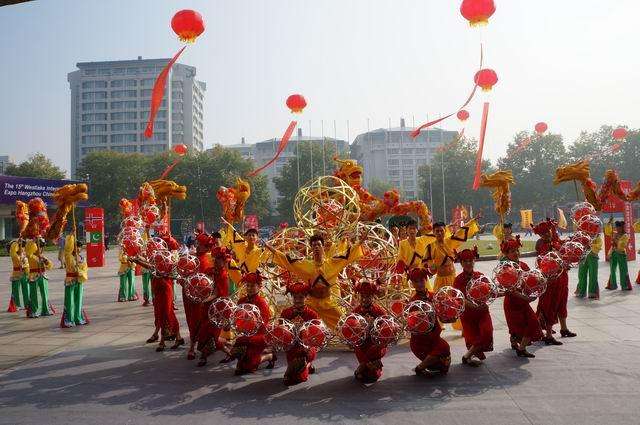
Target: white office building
x=110, y=104
x=391, y=155
x=5, y=160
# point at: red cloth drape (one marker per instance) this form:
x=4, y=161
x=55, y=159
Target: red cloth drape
x=281, y=147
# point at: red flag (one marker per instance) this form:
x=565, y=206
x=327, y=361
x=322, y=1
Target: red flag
x=483, y=130
x=281, y=147
x=158, y=92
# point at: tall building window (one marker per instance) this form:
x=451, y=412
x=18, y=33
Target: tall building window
x=177, y=85
x=130, y=83
x=99, y=106
x=160, y=125
x=159, y=136
x=177, y=94
x=122, y=138
x=124, y=126
x=152, y=148
x=393, y=151
x=147, y=82
x=93, y=149
x=94, y=117
x=119, y=71
x=145, y=92
x=119, y=116
x=123, y=93
x=91, y=95
x=148, y=70
x=125, y=149
x=177, y=137
x=104, y=72
x=94, y=128
x=132, y=71
x=92, y=140
x=392, y=162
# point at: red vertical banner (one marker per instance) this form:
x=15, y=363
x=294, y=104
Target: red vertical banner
x=621, y=210
x=251, y=222
x=94, y=228
x=483, y=131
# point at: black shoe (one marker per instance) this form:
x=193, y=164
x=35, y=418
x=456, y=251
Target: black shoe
x=312, y=369
x=567, y=333
x=271, y=364
x=202, y=362
x=154, y=338
x=470, y=362
x=525, y=353
x=551, y=341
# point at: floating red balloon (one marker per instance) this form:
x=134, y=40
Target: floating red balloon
x=541, y=127
x=463, y=115
x=247, y=319
x=296, y=102
x=163, y=261
x=619, y=133
x=572, y=252
x=477, y=12
x=188, y=265
x=550, y=265
x=486, y=79
x=188, y=25
x=180, y=149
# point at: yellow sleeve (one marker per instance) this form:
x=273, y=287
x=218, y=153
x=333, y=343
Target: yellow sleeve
x=498, y=232
x=463, y=234
x=623, y=242
x=300, y=268
x=608, y=229
x=46, y=263
x=596, y=245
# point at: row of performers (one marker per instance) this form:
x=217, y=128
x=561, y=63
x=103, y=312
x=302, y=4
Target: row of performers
x=317, y=297
x=30, y=285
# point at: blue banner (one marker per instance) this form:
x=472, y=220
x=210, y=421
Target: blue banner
x=14, y=189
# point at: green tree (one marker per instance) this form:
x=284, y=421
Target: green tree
x=38, y=166
x=459, y=169
x=534, y=167
x=310, y=160
x=378, y=187
x=112, y=176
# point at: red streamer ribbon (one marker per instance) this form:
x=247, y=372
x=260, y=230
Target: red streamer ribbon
x=158, y=92
x=167, y=170
x=415, y=133
x=281, y=147
x=483, y=131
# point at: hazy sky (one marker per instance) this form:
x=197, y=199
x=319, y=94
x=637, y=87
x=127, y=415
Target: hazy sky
x=571, y=63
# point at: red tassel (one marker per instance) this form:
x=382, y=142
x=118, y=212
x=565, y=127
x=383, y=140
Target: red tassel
x=483, y=130
x=12, y=306
x=281, y=147
x=158, y=92
x=167, y=170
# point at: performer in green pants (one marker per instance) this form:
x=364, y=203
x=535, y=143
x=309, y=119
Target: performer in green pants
x=147, y=296
x=127, y=290
x=19, y=277
x=38, y=283
x=76, y=276
x=588, y=270
x=618, y=256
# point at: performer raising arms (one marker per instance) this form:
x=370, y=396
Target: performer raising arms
x=19, y=277
x=477, y=327
x=248, y=255
x=411, y=251
x=369, y=354
x=433, y=351
x=299, y=358
x=524, y=327
x=552, y=305
x=322, y=273
x=250, y=351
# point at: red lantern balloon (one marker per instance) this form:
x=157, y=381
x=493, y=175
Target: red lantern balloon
x=296, y=102
x=572, y=252
x=247, y=319
x=385, y=330
x=462, y=115
x=619, y=133
x=352, y=329
x=281, y=334
x=541, y=127
x=188, y=24
x=581, y=209
x=590, y=224
x=486, y=79
x=533, y=283
x=163, y=261
x=313, y=334
x=180, y=149
x=481, y=291
x=221, y=312
x=477, y=12
x=550, y=265
x=199, y=288
x=449, y=304
x=507, y=275
x=420, y=317
x=153, y=245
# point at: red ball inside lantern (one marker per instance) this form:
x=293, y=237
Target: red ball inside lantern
x=246, y=319
x=486, y=79
x=462, y=115
x=533, y=283
x=188, y=25
x=132, y=245
x=352, y=329
x=153, y=245
x=163, y=262
x=507, y=275
x=199, y=288
x=385, y=330
x=180, y=149
x=477, y=12
x=396, y=306
x=619, y=133
x=582, y=238
x=481, y=291
x=149, y=214
x=420, y=317
x=541, y=127
x=280, y=334
x=581, y=209
x=221, y=312
x=590, y=224
x=550, y=265
x=188, y=265
x=313, y=334
x=449, y=304
x=572, y=252
x=297, y=103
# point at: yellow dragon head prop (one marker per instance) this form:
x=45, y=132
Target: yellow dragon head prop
x=168, y=189
x=500, y=183
x=349, y=171
x=233, y=200
x=65, y=197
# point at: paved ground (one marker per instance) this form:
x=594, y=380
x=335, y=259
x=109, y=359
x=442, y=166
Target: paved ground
x=104, y=374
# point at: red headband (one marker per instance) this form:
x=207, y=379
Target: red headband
x=544, y=227
x=254, y=277
x=221, y=252
x=511, y=244
x=419, y=273
x=467, y=254
x=298, y=288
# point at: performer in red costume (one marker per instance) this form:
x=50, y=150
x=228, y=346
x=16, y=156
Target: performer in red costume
x=162, y=287
x=209, y=336
x=477, y=327
x=299, y=358
x=552, y=305
x=433, y=351
x=369, y=354
x=251, y=351
x=523, y=324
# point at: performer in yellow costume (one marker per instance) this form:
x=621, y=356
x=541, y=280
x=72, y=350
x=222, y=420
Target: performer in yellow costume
x=19, y=277
x=248, y=255
x=76, y=275
x=412, y=250
x=441, y=254
x=38, y=283
x=322, y=273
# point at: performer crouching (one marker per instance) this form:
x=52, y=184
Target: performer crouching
x=369, y=354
